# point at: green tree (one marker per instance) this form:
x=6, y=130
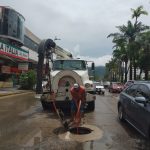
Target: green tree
x=28, y=80
x=144, y=62
x=129, y=33
x=120, y=53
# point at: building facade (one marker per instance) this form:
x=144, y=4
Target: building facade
x=18, y=47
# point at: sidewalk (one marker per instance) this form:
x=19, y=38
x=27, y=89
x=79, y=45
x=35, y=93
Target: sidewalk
x=11, y=91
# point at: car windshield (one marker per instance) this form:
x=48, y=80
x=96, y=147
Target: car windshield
x=98, y=84
x=69, y=64
x=129, y=83
x=117, y=84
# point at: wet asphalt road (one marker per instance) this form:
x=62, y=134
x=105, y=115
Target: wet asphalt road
x=25, y=126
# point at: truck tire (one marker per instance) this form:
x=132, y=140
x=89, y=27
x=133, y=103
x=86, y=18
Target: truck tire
x=91, y=106
x=44, y=105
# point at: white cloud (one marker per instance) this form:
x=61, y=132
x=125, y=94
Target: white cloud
x=82, y=25
x=100, y=61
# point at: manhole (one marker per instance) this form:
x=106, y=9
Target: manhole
x=82, y=134
x=80, y=130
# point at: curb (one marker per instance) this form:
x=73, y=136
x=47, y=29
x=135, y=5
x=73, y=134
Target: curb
x=14, y=93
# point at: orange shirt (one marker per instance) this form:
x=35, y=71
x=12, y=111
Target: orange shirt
x=78, y=94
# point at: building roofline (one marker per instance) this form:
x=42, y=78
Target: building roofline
x=14, y=10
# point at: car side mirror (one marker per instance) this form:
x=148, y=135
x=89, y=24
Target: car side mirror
x=141, y=100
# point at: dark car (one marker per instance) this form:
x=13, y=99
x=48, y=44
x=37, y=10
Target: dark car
x=128, y=83
x=116, y=87
x=134, y=106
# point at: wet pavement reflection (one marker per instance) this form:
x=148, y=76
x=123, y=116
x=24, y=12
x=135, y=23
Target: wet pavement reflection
x=24, y=126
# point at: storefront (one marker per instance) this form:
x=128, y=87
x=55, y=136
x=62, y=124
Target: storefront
x=18, y=47
x=13, y=61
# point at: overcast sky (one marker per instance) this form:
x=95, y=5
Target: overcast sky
x=82, y=25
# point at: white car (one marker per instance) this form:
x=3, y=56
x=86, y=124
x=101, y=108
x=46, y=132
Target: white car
x=99, y=88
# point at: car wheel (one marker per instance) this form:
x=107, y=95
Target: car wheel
x=120, y=113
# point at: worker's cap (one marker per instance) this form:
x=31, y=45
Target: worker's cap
x=76, y=86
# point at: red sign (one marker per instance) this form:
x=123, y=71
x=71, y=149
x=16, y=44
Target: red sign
x=15, y=70
x=5, y=69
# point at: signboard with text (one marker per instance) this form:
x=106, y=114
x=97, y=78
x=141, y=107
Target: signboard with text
x=5, y=69
x=23, y=66
x=13, y=51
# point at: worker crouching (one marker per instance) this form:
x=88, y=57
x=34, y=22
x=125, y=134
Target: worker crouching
x=77, y=103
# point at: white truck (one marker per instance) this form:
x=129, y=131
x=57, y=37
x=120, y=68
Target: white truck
x=66, y=71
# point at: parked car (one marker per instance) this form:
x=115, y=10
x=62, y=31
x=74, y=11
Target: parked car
x=106, y=84
x=128, y=83
x=99, y=88
x=134, y=106
x=116, y=87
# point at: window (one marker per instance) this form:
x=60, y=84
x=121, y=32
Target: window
x=30, y=43
x=144, y=91
x=132, y=90
x=69, y=64
x=12, y=24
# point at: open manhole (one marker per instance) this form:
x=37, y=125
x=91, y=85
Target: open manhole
x=82, y=134
x=80, y=130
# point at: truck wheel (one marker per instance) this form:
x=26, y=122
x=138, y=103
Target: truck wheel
x=91, y=106
x=44, y=105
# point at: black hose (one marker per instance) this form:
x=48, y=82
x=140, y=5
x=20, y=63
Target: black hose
x=44, y=50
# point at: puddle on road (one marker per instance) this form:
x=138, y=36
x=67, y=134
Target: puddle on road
x=95, y=133
x=35, y=140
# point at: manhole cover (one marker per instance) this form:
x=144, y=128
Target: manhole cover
x=80, y=130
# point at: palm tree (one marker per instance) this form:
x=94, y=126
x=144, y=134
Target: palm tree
x=136, y=13
x=112, y=70
x=144, y=40
x=139, y=27
x=129, y=33
x=120, y=53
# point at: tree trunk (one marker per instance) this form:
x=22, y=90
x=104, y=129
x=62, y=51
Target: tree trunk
x=130, y=70
x=126, y=71
x=122, y=71
x=146, y=74
x=134, y=71
x=140, y=74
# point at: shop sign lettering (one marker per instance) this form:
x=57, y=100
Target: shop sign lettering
x=13, y=51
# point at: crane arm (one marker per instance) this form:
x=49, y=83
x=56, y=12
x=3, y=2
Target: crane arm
x=61, y=53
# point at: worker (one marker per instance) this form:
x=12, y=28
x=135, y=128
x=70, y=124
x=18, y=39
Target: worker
x=78, y=96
